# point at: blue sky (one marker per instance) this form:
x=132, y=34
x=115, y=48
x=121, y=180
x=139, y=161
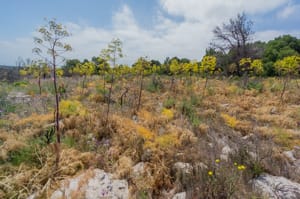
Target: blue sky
x=153, y=28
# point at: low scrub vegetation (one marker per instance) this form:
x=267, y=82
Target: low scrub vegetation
x=191, y=128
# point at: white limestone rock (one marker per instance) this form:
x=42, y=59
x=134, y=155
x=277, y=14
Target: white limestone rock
x=95, y=185
x=181, y=195
x=276, y=187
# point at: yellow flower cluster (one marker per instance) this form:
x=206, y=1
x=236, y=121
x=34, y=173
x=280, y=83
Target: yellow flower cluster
x=168, y=113
x=241, y=167
x=229, y=120
x=71, y=107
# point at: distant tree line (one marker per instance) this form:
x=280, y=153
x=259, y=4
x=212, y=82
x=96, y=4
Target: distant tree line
x=228, y=62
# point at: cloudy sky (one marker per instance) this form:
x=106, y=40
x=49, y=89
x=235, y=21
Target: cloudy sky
x=153, y=28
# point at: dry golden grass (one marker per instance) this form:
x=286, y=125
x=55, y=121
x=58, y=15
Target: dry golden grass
x=10, y=142
x=203, y=129
x=35, y=120
x=44, y=180
x=123, y=167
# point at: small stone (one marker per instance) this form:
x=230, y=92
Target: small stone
x=289, y=155
x=247, y=137
x=211, y=145
x=138, y=169
x=181, y=195
x=201, y=165
x=273, y=111
x=297, y=152
x=146, y=155
x=253, y=155
x=135, y=118
x=183, y=167
x=226, y=150
x=161, y=131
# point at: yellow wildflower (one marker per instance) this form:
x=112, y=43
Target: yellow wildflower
x=217, y=161
x=241, y=167
x=210, y=173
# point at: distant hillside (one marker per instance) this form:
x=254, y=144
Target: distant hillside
x=9, y=73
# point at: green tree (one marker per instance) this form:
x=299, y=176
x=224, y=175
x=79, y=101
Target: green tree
x=251, y=67
x=51, y=41
x=256, y=67
x=69, y=66
x=287, y=67
x=85, y=69
x=277, y=49
x=175, y=69
x=207, y=68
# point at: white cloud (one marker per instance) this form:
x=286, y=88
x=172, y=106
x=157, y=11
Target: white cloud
x=188, y=37
x=216, y=10
x=288, y=11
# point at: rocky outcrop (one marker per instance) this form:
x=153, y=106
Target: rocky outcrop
x=293, y=164
x=92, y=184
x=18, y=97
x=275, y=187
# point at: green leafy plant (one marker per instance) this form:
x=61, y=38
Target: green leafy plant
x=169, y=103
x=31, y=154
x=188, y=109
x=256, y=86
x=69, y=141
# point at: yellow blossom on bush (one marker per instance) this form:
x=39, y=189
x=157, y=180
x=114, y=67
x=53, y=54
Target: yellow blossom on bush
x=167, y=140
x=71, y=107
x=168, y=113
x=229, y=120
x=145, y=133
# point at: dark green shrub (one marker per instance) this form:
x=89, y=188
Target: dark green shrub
x=21, y=83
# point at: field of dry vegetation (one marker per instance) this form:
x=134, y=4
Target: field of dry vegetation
x=208, y=143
